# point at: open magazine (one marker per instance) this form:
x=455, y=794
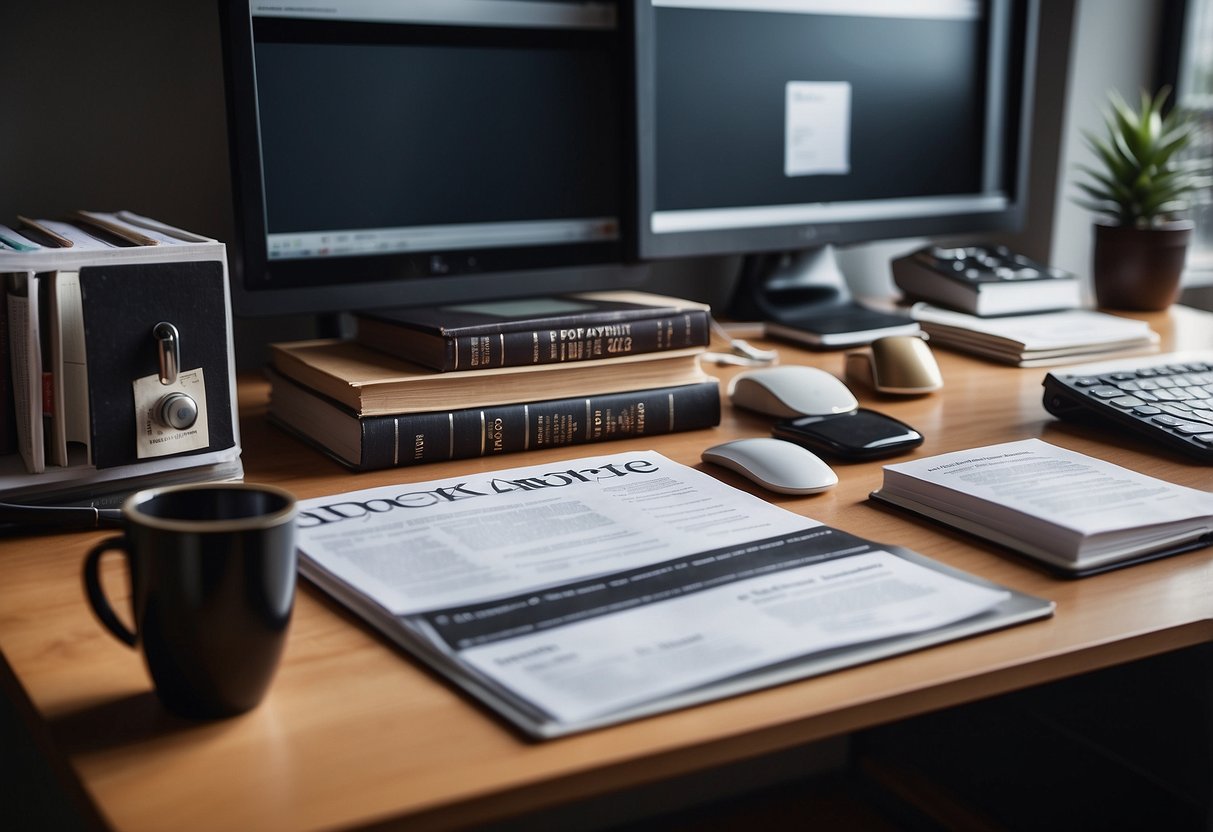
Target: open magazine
x=582, y=593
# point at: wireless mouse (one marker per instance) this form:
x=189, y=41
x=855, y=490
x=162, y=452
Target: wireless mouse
x=901, y=364
x=791, y=390
x=774, y=464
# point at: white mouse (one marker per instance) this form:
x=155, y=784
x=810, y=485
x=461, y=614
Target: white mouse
x=774, y=464
x=791, y=390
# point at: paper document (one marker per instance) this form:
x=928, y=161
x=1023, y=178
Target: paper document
x=695, y=630
x=817, y=128
x=26, y=367
x=566, y=594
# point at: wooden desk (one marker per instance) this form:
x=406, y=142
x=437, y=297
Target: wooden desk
x=354, y=733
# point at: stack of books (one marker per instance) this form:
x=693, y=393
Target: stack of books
x=457, y=382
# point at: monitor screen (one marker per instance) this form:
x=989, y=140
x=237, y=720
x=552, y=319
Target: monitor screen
x=770, y=125
x=389, y=154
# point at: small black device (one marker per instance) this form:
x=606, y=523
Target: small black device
x=859, y=434
x=1168, y=400
x=984, y=281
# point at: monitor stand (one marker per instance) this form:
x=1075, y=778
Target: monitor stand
x=803, y=296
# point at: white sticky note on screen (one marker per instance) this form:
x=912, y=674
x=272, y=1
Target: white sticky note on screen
x=817, y=128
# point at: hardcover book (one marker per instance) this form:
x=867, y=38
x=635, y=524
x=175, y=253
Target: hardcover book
x=529, y=331
x=373, y=384
x=375, y=442
x=1073, y=513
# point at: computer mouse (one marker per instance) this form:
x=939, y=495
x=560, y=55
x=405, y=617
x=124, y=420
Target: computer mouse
x=774, y=464
x=791, y=390
x=901, y=364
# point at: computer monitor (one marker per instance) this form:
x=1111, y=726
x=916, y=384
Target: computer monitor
x=411, y=152
x=778, y=128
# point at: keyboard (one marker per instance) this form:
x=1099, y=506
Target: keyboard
x=1169, y=399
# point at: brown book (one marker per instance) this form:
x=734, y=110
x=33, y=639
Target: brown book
x=373, y=384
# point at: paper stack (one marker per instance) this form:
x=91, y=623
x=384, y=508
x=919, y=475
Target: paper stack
x=1047, y=338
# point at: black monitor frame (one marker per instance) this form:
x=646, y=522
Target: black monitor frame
x=1015, y=37
x=262, y=286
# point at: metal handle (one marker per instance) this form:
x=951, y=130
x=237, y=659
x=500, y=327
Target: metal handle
x=168, y=347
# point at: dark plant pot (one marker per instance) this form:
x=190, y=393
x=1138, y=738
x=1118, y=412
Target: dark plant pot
x=1139, y=268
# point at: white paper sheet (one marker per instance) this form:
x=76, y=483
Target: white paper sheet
x=817, y=125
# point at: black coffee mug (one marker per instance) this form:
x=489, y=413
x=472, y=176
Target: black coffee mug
x=212, y=569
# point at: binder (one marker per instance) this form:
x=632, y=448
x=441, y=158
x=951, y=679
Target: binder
x=109, y=315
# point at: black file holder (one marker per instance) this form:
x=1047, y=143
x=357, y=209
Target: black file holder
x=127, y=294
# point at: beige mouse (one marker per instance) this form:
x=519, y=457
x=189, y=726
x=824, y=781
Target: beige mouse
x=900, y=364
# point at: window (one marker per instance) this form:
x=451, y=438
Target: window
x=1194, y=93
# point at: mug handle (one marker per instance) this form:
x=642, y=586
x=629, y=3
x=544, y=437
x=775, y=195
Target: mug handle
x=96, y=595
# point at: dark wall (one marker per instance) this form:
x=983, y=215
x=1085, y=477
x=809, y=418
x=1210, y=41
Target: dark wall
x=112, y=105
x=120, y=105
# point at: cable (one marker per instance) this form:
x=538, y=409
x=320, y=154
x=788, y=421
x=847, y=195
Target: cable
x=740, y=352
x=61, y=517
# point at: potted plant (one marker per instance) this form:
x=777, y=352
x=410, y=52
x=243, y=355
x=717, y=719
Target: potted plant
x=1140, y=243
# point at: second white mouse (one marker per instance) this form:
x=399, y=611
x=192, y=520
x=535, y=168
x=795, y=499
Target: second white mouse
x=774, y=464
x=791, y=390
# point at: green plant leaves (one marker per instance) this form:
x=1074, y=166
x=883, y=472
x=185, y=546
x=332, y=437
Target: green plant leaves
x=1141, y=182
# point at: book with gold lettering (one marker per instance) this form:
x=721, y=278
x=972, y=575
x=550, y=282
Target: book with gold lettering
x=532, y=331
x=396, y=440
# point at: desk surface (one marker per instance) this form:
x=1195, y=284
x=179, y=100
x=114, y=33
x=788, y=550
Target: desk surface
x=355, y=733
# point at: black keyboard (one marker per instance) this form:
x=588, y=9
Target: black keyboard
x=1170, y=401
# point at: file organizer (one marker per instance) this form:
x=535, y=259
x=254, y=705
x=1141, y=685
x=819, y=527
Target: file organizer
x=120, y=359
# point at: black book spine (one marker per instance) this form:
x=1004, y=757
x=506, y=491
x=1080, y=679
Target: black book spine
x=577, y=342
x=409, y=439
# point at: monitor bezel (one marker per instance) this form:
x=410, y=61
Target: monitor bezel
x=264, y=287
x=1022, y=20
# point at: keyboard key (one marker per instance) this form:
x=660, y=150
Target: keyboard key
x=1172, y=403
